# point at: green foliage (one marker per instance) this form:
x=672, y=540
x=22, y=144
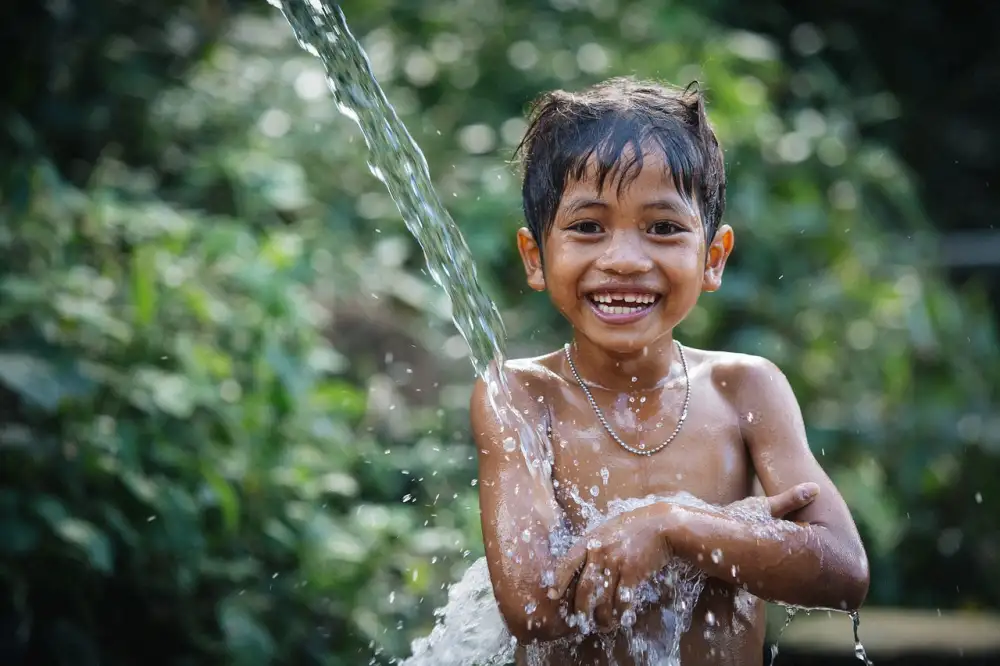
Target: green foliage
x=233, y=404
x=185, y=443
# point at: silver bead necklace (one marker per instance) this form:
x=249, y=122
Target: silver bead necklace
x=642, y=450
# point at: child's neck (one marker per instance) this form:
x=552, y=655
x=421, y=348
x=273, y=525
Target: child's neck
x=643, y=369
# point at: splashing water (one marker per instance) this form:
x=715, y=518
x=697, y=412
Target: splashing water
x=470, y=630
x=456, y=641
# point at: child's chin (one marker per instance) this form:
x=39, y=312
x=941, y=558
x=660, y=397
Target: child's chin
x=623, y=344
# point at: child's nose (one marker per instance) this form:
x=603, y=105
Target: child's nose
x=625, y=254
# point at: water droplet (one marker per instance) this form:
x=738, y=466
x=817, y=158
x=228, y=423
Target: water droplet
x=859, y=649
x=979, y=498
x=710, y=618
x=593, y=544
x=594, y=490
x=749, y=417
x=635, y=379
x=509, y=444
x=628, y=618
x=526, y=536
x=392, y=597
x=716, y=555
x=530, y=607
x=605, y=474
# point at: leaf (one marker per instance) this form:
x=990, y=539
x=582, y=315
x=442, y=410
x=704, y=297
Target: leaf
x=40, y=382
x=248, y=640
x=229, y=503
x=89, y=540
x=144, y=284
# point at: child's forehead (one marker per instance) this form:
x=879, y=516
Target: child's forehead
x=627, y=176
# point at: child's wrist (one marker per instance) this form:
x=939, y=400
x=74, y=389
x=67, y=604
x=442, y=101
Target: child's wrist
x=675, y=528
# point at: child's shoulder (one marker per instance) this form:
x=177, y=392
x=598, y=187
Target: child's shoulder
x=536, y=373
x=729, y=363
x=733, y=373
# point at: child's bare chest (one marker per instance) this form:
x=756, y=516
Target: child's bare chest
x=706, y=458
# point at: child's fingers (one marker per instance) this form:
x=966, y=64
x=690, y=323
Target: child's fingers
x=792, y=499
x=587, y=588
x=567, y=569
x=604, y=613
x=625, y=601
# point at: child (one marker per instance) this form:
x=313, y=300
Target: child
x=624, y=192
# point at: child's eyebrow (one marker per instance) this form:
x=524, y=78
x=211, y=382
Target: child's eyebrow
x=578, y=204
x=668, y=204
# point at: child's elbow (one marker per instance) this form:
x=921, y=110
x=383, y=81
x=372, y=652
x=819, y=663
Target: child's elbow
x=541, y=624
x=854, y=584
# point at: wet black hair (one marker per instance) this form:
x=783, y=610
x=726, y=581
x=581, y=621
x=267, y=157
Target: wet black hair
x=601, y=123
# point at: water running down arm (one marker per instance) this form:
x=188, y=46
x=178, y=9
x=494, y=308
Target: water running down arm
x=515, y=503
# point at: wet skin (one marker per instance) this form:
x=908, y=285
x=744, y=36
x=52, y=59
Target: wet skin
x=708, y=459
x=743, y=427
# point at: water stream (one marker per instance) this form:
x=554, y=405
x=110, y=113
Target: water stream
x=470, y=630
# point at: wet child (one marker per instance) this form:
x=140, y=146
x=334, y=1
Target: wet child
x=624, y=193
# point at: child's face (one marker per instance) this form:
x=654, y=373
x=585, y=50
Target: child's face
x=626, y=270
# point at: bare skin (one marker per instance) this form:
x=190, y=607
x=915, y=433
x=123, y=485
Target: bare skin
x=743, y=426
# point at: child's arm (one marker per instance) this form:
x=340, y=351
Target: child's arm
x=513, y=503
x=820, y=562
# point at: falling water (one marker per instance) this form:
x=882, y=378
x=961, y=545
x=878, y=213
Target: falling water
x=790, y=612
x=859, y=649
x=470, y=630
x=397, y=161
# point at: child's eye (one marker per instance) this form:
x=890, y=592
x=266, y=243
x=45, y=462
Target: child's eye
x=586, y=227
x=663, y=228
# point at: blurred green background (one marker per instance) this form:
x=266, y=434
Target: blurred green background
x=233, y=410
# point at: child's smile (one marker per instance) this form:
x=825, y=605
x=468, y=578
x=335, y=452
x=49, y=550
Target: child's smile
x=622, y=305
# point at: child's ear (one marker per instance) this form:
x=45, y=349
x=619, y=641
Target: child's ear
x=715, y=261
x=531, y=255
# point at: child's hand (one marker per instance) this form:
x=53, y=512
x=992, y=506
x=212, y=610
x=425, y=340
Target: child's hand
x=795, y=498
x=612, y=561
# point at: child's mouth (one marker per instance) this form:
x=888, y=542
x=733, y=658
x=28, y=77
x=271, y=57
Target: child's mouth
x=620, y=307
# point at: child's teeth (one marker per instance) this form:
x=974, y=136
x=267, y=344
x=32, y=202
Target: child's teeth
x=604, y=302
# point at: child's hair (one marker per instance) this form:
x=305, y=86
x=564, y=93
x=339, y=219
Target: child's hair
x=567, y=129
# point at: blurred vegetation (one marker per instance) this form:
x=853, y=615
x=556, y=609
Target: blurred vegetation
x=233, y=408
